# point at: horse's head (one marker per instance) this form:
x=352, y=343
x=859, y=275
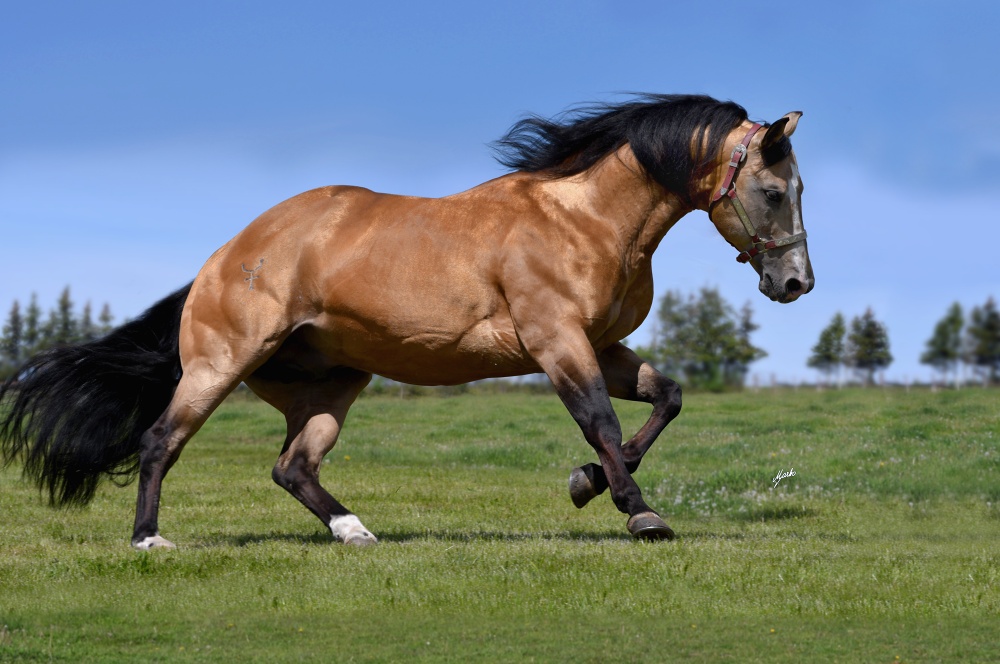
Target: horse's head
x=757, y=207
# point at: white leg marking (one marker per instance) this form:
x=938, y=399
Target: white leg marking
x=348, y=529
x=154, y=542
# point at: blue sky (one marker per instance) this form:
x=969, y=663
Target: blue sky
x=136, y=139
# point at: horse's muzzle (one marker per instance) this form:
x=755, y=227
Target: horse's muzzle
x=786, y=292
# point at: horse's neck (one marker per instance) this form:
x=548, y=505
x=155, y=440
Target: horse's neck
x=617, y=192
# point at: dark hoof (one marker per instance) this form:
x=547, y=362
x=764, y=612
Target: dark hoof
x=581, y=487
x=649, y=526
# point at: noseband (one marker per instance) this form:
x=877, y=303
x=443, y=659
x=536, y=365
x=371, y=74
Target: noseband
x=728, y=188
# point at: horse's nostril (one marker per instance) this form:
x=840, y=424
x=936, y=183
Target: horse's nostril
x=793, y=286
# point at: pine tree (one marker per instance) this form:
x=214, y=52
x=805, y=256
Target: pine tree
x=32, y=336
x=868, y=346
x=47, y=331
x=983, y=341
x=12, y=341
x=63, y=326
x=828, y=353
x=105, y=319
x=85, y=330
x=944, y=348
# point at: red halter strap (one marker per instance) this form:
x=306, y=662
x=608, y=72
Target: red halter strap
x=739, y=154
x=728, y=188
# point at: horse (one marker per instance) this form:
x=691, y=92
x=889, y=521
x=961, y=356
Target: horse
x=543, y=269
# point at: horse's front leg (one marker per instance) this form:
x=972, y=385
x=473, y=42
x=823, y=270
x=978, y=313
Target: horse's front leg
x=575, y=372
x=629, y=377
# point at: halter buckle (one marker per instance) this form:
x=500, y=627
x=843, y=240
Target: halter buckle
x=758, y=247
x=739, y=154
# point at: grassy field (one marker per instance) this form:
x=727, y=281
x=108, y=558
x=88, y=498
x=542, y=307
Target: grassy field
x=883, y=547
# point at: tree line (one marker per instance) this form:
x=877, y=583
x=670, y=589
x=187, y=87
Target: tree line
x=864, y=348
x=956, y=344
x=26, y=332
x=699, y=339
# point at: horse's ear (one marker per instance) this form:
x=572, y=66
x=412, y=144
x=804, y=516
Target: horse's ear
x=784, y=127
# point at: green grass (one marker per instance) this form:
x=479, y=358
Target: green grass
x=884, y=546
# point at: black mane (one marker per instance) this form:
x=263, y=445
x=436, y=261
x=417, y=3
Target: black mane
x=659, y=129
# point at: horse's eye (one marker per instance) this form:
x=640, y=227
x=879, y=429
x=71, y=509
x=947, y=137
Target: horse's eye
x=773, y=195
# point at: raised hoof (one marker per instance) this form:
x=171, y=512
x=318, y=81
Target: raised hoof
x=153, y=542
x=581, y=487
x=649, y=526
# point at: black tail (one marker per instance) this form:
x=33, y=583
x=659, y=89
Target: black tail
x=75, y=414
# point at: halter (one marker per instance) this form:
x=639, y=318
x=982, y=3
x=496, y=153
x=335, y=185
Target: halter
x=728, y=188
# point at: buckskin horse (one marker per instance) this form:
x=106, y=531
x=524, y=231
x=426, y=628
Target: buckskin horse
x=545, y=269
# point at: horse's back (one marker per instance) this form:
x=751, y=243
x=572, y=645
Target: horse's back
x=402, y=286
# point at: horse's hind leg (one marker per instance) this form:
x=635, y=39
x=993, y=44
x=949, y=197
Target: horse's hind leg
x=315, y=413
x=629, y=377
x=199, y=392
x=214, y=364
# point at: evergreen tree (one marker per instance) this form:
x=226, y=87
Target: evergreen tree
x=62, y=324
x=983, y=341
x=868, y=346
x=24, y=334
x=12, y=340
x=47, y=332
x=85, y=329
x=944, y=348
x=828, y=353
x=105, y=319
x=32, y=336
